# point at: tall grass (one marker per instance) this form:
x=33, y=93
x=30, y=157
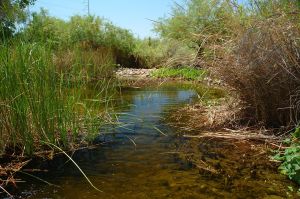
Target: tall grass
x=39, y=103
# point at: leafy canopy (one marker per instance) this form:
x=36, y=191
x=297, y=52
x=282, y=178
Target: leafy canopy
x=12, y=12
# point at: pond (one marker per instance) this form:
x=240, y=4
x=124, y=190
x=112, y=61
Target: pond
x=138, y=158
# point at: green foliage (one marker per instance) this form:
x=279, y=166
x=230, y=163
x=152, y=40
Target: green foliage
x=163, y=53
x=11, y=13
x=46, y=29
x=88, y=31
x=211, y=28
x=296, y=134
x=184, y=72
x=204, y=27
x=84, y=29
x=198, y=19
x=291, y=158
x=84, y=32
x=266, y=8
x=118, y=38
x=150, y=52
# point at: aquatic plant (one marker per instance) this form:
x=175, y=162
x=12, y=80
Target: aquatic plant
x=39, y=103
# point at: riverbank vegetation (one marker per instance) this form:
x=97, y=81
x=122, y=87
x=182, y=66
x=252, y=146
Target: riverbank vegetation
x=41, y=103
x=48, y=69
x=253, y=48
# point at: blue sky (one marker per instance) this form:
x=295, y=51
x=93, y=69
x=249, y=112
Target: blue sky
x=130, y=14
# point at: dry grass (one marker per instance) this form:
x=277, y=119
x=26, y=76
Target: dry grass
x=201, y=116
x=265, y=70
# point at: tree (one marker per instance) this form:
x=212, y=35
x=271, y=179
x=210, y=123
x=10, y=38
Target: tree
x=203, y=24
x=12, y=12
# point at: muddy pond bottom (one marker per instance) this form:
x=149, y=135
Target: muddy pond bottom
x=139, y=159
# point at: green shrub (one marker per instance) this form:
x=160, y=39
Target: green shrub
x=164, y=53
x=81, y=32
x=203, y=25
x=290, y=158
x=47, y=30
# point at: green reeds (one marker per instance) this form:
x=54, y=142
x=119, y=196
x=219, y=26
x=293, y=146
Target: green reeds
x=39, y=103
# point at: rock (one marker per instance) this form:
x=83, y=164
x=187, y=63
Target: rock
x=133, y=73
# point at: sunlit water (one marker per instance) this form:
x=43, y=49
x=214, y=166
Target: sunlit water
x=138, y=158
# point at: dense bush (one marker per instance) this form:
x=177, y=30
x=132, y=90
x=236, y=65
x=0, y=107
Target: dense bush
x=164, y=53
x=264, y=69
x=290, y=157
x=203, y=26
x=81, y=32
x=90, y=32
x=253, y=48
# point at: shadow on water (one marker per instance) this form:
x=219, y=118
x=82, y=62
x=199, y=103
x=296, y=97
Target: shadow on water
x=138, y=157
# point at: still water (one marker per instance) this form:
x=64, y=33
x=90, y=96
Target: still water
x=138, y=158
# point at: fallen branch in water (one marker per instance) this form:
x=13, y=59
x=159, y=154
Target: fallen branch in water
x=235, y=136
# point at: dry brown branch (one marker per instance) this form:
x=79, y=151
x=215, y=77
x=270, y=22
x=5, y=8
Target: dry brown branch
x=234, y=136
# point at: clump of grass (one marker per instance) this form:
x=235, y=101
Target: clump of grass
x=188, y=73
x=40, y=104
